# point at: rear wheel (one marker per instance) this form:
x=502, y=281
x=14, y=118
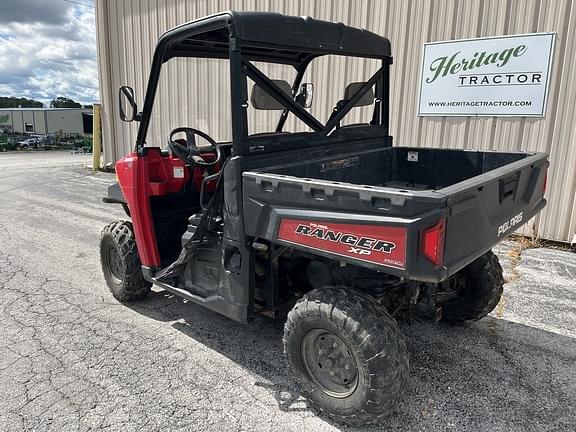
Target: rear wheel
x=481, y=287
x=347, y=354
x=121, y=264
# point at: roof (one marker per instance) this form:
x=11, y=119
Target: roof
x=271, y=36
x=45, y=109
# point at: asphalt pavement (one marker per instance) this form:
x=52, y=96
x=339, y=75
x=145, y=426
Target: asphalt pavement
x=73, y=358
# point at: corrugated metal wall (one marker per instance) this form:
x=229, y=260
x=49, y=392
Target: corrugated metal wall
x=128, y=30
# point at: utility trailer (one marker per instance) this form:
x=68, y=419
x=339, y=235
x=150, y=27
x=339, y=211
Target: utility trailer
x=325, y=223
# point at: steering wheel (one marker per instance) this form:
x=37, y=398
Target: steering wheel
x=191, y=153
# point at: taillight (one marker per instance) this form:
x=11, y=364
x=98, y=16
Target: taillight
x=545, y=182
x=432, y=244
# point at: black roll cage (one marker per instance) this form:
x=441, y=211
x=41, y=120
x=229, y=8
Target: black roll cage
x=234, y=36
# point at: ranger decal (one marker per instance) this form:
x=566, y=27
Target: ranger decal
x=377, y=244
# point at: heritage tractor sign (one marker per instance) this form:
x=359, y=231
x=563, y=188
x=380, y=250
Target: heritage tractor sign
x=497, y=76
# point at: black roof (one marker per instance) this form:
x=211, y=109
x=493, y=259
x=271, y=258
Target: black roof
x=270, y=36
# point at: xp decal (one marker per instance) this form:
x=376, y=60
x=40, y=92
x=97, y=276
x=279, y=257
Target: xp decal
x=372, y=243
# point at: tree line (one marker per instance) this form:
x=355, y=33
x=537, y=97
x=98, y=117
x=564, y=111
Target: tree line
x=59, y=102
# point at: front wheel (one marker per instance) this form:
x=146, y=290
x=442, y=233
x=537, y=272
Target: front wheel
x=347, y=354
x=121, y=264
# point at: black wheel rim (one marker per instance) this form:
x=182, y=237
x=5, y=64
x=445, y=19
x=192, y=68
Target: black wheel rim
x=114, y=264
x=329, y=363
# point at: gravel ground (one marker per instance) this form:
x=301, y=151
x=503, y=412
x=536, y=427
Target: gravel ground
x=73, y=358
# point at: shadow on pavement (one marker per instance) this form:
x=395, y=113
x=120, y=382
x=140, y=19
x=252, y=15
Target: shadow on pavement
x=494, y=374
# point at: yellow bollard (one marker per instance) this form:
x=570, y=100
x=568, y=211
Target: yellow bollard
x=96, y=137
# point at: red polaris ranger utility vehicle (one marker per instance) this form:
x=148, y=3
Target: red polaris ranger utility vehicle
x=284, y=200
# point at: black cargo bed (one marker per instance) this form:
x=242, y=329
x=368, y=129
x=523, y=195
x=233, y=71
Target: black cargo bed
x=478, y=193
x=401, y=168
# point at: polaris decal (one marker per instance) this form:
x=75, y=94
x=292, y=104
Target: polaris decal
x=376, y=244
x=508, y=225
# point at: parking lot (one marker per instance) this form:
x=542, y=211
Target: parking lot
x=73, y=358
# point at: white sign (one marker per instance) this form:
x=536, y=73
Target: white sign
x=497, y=76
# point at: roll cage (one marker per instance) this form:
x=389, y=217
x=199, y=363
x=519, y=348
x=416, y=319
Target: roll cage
x=245, y=37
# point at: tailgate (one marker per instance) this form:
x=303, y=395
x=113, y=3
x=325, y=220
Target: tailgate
x=485, y=209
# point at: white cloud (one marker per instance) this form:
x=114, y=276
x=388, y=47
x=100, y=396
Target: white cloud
x=47, y=52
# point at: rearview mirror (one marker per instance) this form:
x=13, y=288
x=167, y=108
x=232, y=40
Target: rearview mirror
x=263, y=101
x=128, y=108
x=353, y=88
x=305, y=95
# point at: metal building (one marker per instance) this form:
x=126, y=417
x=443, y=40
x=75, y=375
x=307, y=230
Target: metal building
x=127, y=32
x=46, y=120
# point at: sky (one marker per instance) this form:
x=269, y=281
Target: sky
x=48, y=49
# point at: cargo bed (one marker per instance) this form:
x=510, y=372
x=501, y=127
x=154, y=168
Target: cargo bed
x=395, y=193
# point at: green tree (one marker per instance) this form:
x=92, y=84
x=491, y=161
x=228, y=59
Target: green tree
x=14, y=102
x=63, y=102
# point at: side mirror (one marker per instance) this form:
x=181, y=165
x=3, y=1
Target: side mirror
x=305, y=95
x=128, y=108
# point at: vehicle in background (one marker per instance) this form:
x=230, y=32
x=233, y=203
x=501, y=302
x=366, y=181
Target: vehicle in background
x=28, y=143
